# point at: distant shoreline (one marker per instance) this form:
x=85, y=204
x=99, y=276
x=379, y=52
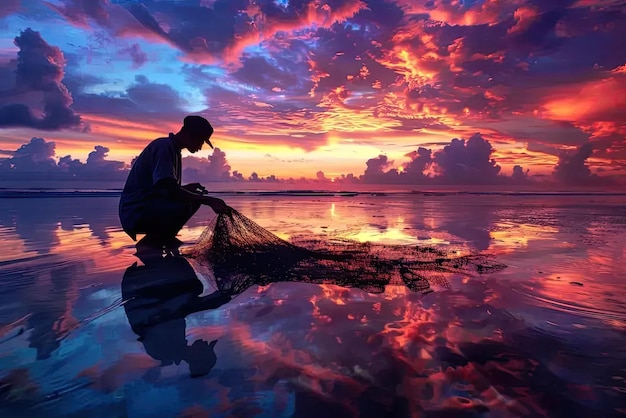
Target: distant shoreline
x=66, y=193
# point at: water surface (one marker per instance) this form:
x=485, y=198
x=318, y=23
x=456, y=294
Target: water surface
x=544, y=337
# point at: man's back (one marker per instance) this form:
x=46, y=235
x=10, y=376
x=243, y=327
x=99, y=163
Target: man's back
x=160, y=160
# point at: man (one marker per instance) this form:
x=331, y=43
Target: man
x=153, y=201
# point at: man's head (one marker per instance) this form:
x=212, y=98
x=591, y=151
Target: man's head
x=195, y=131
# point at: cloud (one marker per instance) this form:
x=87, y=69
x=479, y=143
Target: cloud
x=420, y=161
x=39, y=73
x=142, y=99
x=281, y=75
x=154, y=97
x=36, y=155
x=311, y=73
x=79, y=12
x=519, y=174
x=97, y=160
x=572, y=168
x=138, y=56
x=213, y=168
x=379, y=171
x=255, y=178
x=36, y=160
x=8, y=7
x=222, y=30
x=463, y=162
x=321, y=177
x=69, y=164
x=458, y=162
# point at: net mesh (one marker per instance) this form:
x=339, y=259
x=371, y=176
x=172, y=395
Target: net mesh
x=236, y=253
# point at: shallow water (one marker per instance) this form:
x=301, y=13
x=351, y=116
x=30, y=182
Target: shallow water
x=544, y=337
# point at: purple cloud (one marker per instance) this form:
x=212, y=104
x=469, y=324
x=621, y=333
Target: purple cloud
x=36, y=160
x=80, y=11
x=36, y=155
x=420, y=161
x=143, y=99
x=213, y=168
x=463, y=162
x=69, y=164
x=8, y=7
x=458, y=162
x=96, y=160
x=572, y=168
x=519, y=174
x=40, y=70
x=138, y=56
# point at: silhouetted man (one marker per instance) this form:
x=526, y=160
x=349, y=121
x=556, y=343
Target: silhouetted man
x=154, y=202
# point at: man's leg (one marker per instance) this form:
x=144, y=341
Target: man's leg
x=165, y=218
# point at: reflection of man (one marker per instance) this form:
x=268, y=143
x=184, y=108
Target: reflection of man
x=159, y=295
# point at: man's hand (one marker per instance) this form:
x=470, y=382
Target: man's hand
x=195, y=188
x=218, y=205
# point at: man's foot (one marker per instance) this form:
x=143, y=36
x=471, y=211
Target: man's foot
x=160, y=241
x=172, y=243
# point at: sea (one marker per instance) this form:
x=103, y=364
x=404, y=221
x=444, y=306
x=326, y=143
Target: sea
x=543, y=337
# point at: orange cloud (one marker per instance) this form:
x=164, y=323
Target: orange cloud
x=593, y=100
x=524, y=16
x=317, y=14
x=456, y=12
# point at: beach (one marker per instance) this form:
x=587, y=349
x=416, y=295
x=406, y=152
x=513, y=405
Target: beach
x=546, y=336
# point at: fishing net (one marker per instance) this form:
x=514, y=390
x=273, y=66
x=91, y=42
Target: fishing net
x=236, y=253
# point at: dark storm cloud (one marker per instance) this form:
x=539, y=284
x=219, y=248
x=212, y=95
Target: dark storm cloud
x=40, y=70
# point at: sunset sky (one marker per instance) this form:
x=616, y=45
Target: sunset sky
x=294, y=87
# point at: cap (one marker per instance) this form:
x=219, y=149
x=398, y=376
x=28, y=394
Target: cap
x=198, y=126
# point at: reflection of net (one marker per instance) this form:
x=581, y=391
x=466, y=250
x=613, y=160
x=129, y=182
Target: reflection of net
x=240, y=253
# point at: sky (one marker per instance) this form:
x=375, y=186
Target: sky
x=382, y=91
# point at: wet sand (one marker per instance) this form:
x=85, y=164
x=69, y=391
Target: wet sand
x=544, y=337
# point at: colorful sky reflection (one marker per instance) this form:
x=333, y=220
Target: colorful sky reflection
x=322, y=88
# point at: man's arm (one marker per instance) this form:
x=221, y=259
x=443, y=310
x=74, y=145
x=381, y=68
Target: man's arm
x=171, y=187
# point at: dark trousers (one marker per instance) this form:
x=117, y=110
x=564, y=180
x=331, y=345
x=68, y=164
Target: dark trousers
x=165, y=218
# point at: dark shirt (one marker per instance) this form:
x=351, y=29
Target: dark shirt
x=159, y=163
